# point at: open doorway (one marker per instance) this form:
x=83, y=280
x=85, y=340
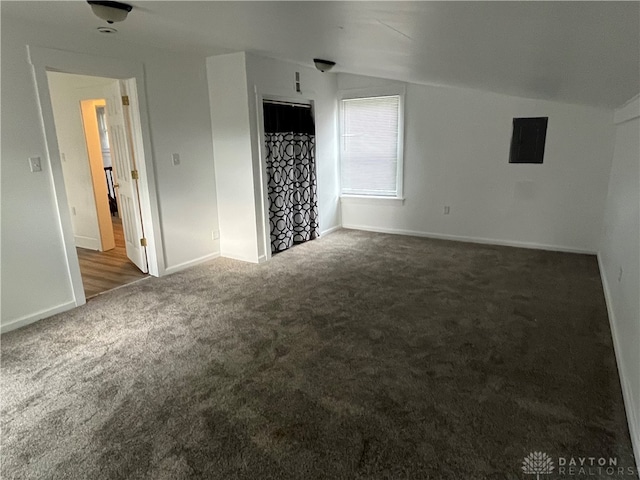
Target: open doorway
x=131, y=78
x=98, y=161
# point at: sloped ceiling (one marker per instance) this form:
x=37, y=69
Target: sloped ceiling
x=574, y=52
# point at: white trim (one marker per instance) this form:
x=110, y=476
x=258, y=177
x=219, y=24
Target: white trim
x=330, y=230
x=191, y=263
x=34, y=317
x=628, y=111
x=484, y=241
x=300, y=103
x=263, y=191
x=259, y=169
x=371, y=200
x=87, y=242
x=241, y=258
x=632, y=421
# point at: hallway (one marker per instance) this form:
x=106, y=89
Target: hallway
x=102, y=271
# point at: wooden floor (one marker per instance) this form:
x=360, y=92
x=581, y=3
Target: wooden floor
x=102, y=271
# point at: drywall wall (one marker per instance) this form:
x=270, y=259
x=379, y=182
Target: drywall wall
x=237, y=84
x=35, y=278
x=67, y=91
x=270, y=78
x=227, y=76
x=456, y=154
x=619, y=258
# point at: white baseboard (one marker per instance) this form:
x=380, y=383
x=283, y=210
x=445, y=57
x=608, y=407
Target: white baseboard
x=34, y=317
x=87, y=242
x=242, y=258
x=634, y=427
x=330, y=230
x=190, y=263
x=461, y=238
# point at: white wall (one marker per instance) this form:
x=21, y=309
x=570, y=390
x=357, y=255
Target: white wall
x=227, y=76
x=67, y=91
x=620, y=259
x=275, y=78
x=237, y=83
x=35, y=279
x=456, y=154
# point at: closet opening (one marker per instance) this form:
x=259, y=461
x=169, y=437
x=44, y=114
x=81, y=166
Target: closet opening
x=290, y=159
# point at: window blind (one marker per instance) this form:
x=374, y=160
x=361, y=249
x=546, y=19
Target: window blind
x=370, y=146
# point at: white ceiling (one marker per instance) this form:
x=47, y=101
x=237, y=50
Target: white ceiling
x=576, y=52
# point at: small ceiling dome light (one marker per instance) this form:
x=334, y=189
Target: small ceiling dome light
x=110, y=11
x=323, y=65
x=107, y=30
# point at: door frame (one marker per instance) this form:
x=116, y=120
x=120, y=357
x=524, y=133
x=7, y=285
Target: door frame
x=47, y=59
x=265, y=231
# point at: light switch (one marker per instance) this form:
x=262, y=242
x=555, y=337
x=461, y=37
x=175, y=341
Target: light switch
x=175, y=158
x=34, y=164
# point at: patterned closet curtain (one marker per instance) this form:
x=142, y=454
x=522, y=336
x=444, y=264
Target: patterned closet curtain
x=291, y=171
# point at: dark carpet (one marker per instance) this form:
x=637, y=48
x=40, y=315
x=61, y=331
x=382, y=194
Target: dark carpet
x=355, y=356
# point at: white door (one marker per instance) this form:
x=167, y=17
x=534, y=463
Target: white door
x=118, y=127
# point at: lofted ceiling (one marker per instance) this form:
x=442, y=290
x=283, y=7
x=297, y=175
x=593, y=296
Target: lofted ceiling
x=575, y=52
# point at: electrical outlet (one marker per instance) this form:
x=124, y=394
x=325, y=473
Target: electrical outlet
x=447, y=210
x=620, y=275
x=73, y=210
x=175, y=158
x=34, y=164
x=215, y=235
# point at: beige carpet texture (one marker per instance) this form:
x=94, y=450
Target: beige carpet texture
x=354, y=356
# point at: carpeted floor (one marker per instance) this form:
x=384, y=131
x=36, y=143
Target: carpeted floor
x=355, y=356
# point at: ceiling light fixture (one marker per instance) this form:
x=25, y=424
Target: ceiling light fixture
x=110, y=11
x=323, y=65
x=107, y=30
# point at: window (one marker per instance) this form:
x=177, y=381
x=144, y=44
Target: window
x=527, y=142
x=371, y=146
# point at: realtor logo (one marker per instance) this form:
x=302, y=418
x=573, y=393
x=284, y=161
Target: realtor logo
x=537, y=463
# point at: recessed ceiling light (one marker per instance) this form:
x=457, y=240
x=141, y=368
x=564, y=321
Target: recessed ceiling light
x=107, y=30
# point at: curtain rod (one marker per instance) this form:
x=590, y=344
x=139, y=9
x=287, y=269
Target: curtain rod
x=290, y=104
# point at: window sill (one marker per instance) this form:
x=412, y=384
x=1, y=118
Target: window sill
x=371, y=200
